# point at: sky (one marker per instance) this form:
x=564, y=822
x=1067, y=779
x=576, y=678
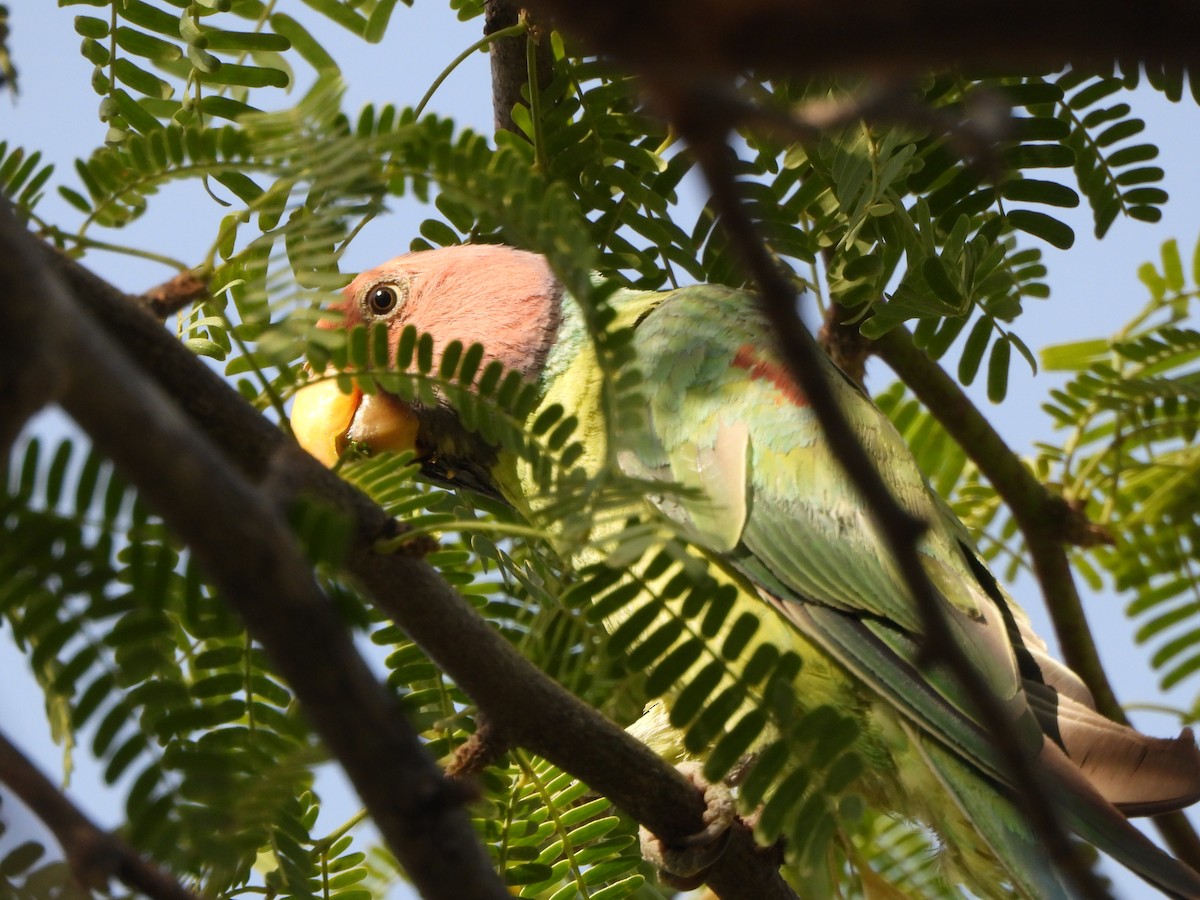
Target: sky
x=1094, y=287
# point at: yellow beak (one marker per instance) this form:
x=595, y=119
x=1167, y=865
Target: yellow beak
x=325, y=421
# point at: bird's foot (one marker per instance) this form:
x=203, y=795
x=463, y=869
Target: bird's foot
x=682, y=864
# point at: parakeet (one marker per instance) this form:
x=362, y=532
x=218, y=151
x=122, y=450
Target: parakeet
x=764, y=497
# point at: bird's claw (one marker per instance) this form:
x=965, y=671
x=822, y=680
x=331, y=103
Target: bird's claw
x=683, y=863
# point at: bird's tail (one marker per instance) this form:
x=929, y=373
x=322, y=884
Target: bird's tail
x=1084, y=811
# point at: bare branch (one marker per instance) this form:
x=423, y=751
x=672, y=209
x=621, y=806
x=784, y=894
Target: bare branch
x=482, y=749
x=244, y=545
x=532, y=710
x=174, y=294
x=95, y=857
x=973, y=129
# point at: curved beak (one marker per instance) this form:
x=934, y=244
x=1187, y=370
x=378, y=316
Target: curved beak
x=326, y=421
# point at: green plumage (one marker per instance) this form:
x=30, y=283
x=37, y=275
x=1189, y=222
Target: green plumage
x=771, y=503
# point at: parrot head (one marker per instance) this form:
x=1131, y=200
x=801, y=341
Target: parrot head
x=507, y=300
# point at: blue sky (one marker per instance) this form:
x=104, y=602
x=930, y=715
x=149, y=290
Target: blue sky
x=1094, y=286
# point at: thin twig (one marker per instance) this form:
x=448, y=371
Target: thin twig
x=485, y=41
x=481, y=749
x=95, y=857
x=900, y=530
x=973, y=128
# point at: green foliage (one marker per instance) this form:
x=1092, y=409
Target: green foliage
x=554, y=840
x=143, y=668
x=141, y=661
x=901, y=855
x=183, y=63
x=1109, y=167
x=22, y=178
x=1132, y=410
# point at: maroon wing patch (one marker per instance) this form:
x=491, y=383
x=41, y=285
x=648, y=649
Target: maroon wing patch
x=761, y=368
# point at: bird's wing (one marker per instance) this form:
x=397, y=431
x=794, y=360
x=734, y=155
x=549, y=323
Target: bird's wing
x=727, y=419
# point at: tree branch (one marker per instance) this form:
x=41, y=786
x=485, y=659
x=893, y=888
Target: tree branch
x=1047, y=521
x=710, y=38
x=509, y=56
x=243, y=544
x=529, y=708
x=174, y=294
x=95, y=857
x=30, y=375
x=844, y=344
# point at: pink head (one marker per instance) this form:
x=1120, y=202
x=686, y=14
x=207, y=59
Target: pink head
x=506, y=299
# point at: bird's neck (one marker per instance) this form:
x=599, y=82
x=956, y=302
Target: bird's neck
x=573, y=377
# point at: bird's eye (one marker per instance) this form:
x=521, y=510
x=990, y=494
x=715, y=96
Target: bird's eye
x=382, y=300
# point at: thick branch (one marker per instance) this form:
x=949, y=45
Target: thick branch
x=844, y=344
x=1047, y=522
x=30, y=375
x=95, y=857
x=528, y=707
x=246, y=548
x=882, y=37
x=900, y=531
x=510, y=66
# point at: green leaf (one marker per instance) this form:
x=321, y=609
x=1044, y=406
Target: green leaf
x=939, y=281
x=1148, y=275
x=303, y=43
x=91, y=27
x=21, y=858
x=341, y=14
x=141, y=80
x=141, y=44
x=248, y=76
x=1040, y=225
x=135, y=114
x=204, y=61
x=1172, y=266
x=377, y=22
x=1033, y=190
x=1120, y=132
x=997, y=383
x=439, y=233
x=246, y=41
x=241, y=185
x=149, y=17
x=973, y=350
x=1073, y=357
